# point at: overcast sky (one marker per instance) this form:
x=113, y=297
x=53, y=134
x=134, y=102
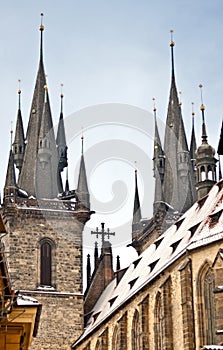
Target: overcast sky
x=112, y=52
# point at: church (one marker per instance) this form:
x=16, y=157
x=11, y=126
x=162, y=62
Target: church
x=170, y=297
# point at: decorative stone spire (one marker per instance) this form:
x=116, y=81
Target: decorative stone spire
x=27, y=178
x=158, y=165
x=175, y=145
x=19, y=140
x=96, y=260
x=67, y=187
x=193, y=143
x=136, y=209
x=205, y=160
x=10, y=181
x=82, y=187
x=220, y=144
x=61, y=139
x=88, y=270
x=118, y=265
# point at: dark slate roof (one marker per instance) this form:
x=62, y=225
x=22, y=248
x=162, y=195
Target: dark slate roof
x=196, y=228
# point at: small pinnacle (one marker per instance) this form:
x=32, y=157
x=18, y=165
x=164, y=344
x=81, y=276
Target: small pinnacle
x=202, y=107
x=19, y=90
x=192, y=104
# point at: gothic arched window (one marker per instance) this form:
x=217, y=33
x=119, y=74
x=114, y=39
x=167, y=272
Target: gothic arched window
x=135, y=331
x=116, y=339
x=47, y=248
x=158, y=324
x=206, y=305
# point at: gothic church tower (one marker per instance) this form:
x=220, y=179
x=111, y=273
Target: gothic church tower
x=44, y=223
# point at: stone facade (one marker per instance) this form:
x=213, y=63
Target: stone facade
x=167, y=314
x=30, y=222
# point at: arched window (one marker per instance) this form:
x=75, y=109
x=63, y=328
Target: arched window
x=206, y=305
x=158, y=324
x=135, y=331
x=116, y=339
x=210, y=173
x=98, y=345
x=203, y=175
x=47, y=263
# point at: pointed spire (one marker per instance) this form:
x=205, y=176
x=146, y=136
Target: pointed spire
x=193, y=143
x=27, y=178
x=202, y=108
x=172, y=44
x=136, y=210
x=10, y=181
x=118, y=265
x=95, y=255
x=88, y=270
x=67, y=187
x=220, y=144
x=61, y=138
x=158, y=165
x=19, y=140
x=41, y=28
x=82, y=187
x=219, y=169
x=175, y=149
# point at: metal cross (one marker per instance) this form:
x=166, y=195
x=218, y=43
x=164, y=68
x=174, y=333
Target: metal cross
x=103, y=233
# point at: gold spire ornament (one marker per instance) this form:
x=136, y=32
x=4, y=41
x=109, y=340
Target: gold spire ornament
x=192, y=105
x=202, y=107
x=41, y=27
x=154, y=104
x=172, y=43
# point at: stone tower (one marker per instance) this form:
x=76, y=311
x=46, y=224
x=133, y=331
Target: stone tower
x=45, y=226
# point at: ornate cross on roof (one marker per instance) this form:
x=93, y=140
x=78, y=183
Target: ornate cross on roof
x=103, y=233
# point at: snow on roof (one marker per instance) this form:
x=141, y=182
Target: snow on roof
x=200, y=225
x=212, y=347
x=24, y=300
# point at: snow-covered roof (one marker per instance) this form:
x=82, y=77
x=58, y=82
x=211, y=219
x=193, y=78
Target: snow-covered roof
x=25, y=300
x=200, y=225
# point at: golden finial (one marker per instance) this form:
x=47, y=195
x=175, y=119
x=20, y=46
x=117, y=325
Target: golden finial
x=45, y=87
x=180, y=94
x=19, y=90
x=192, y=104
x=171, y=38
x=202, y=107
x=61, y=94
x=41, y=27
x=154, y=104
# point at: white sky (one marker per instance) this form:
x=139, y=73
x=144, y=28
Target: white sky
x=112, y=52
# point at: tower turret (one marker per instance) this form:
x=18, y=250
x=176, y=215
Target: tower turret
x=205, y=160
x=19, y=140
x=10, y=188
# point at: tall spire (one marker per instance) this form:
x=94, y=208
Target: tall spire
x=82, y=187
x=158, y=165
x=27, y=178
x=193, y=143
x=176, y=149
x=220, y=144
x=47, y=180
x=136, y=209
x=61, y=138
x=19, y=140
